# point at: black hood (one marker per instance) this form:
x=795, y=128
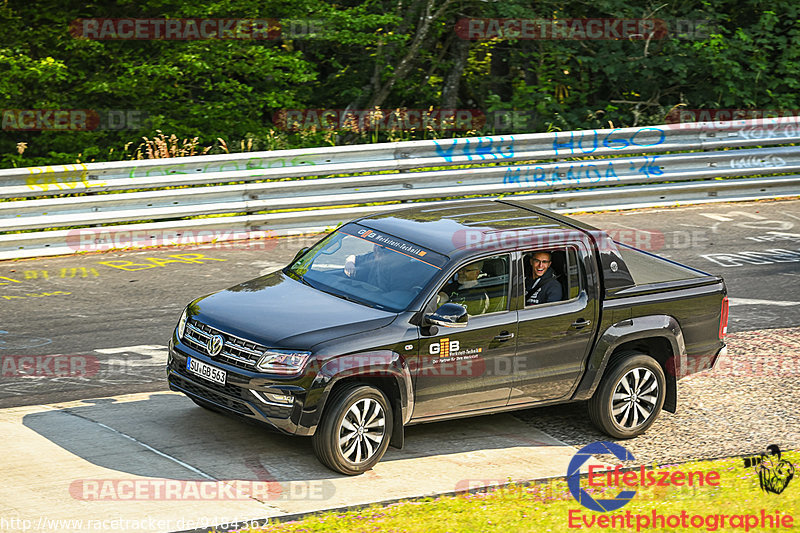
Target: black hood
x=279, y=312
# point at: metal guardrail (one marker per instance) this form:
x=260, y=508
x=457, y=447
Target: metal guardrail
x=599, y=163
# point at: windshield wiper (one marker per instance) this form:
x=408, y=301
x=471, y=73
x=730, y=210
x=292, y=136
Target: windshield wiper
x=346, y=297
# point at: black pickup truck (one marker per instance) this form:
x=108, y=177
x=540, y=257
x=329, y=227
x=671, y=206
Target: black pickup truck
x=430, y=312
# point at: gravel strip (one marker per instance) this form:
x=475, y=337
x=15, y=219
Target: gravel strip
x=750, y=401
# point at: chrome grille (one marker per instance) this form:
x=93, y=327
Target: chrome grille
x=235, y=350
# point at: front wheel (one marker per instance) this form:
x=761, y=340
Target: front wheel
x=630, y=397
x=355, y=430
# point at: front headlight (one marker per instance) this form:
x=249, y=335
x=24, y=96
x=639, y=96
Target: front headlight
x=182, y=324
x=282, y=361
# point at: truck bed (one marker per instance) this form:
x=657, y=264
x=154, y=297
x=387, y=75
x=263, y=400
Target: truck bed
x=647, y=268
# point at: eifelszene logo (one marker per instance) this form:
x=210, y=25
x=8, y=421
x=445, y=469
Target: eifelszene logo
x=640, y=478
x=774, y=473
x=574, y=477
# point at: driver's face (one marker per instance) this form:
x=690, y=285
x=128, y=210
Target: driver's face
x=540, y=263
x=469, y=272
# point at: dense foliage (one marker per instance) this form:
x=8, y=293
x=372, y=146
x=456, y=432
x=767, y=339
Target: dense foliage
x=384, y=54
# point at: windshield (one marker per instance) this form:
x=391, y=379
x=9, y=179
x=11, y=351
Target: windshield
x=368, y=267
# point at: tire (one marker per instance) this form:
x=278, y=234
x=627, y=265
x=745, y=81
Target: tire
x=630, y=396
x=355, y=429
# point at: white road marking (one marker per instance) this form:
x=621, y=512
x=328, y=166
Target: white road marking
x=267, y=267
x=156, y=355
x=132, y=360
x=723, y=218
x=146, y=446
x=755, y=301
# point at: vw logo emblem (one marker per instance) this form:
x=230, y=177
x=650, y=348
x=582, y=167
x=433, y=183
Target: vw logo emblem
x=214, y=345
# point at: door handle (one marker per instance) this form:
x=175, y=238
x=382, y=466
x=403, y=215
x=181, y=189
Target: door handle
x=504, y=336
x=581, y=323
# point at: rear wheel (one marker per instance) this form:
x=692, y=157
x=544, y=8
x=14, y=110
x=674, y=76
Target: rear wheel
x=630, y=396
x=355, y=429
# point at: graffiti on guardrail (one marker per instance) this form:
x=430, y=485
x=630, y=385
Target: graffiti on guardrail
x=253, y=163
x=573, y=173
x=580, y=172
x=475, y=148
x=587, y=142
x=758, y=162
x=769, y=131
x=45, y=177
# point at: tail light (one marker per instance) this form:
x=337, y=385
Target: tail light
x=723, y=319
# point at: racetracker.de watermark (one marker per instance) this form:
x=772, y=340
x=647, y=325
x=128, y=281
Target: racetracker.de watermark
x=678, y=117
x=198, y=29
x=126, y=525
x=440, y=358
x=650, y=240
x=380, y=119
x=73, y=119
x=582, y=29
x=100, y=239
x=195, y=490
x=48, y=366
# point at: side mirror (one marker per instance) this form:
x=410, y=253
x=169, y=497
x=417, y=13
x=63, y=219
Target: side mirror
x=449, y=315
x=300, y=253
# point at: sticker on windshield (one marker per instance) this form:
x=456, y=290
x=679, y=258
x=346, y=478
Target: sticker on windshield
x=396, y=244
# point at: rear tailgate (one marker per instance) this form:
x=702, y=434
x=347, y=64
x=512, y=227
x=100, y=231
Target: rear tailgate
x=696, y=299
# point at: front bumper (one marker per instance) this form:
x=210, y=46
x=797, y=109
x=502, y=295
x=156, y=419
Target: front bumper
x=242, y=395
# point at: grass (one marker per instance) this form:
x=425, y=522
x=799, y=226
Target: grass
x=547, y=506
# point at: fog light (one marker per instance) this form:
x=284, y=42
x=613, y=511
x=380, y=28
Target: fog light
x=280, y=398
x=283, y=399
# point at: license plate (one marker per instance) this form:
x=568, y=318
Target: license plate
x=205, y=371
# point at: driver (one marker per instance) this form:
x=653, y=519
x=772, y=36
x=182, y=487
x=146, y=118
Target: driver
x=370, y=267
x=464, y=290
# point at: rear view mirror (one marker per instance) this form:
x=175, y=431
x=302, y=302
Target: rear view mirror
x=449, y=315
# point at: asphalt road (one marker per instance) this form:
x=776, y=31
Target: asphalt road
x=108, y=316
